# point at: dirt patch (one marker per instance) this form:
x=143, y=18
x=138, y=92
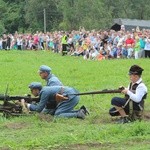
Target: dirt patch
x=45, y=117
x=18, y=125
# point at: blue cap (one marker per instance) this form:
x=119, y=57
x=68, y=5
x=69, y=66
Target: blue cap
x=45, y=68
x=35, y=85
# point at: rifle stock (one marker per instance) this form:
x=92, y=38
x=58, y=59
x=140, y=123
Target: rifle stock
x=106, y=91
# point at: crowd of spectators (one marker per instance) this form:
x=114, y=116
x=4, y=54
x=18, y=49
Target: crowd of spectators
x=93, y=45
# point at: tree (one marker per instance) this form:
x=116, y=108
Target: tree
x=35, y=14
x=88, y=13
x=2, y=16
x=141, y=9
x=132, y=9
x=13, y=17
x=28, y=15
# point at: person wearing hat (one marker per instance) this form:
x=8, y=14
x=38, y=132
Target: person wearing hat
x=62, y=100
x=51, y=79
x=131, y=107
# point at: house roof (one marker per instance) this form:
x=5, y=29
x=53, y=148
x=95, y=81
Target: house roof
x=132, y=22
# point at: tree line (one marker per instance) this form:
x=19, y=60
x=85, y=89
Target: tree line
x=28, y=15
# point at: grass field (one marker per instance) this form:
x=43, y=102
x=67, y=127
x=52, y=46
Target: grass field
x=98, y=130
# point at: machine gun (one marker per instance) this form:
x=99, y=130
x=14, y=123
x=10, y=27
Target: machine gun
x=27, y=98
x=10, y=105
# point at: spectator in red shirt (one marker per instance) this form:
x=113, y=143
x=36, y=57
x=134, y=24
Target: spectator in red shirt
x=35, y=42
x=129, y=44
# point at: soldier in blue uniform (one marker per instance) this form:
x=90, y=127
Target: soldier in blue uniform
x=51, y=79
x=62, y=100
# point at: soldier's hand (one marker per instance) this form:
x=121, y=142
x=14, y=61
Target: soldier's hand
x=124, y=91
x=22, y=101
x=24, y=106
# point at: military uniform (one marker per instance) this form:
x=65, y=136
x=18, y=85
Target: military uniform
x=62, y=108
x=51, y=80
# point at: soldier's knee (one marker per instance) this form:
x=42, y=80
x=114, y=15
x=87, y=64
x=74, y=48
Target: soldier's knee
x=114, y=100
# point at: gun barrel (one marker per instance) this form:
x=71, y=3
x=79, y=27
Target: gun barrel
x=26, y=98
x=98, y=92
x=9, y=98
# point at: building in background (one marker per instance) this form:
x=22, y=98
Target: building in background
x=130, y=24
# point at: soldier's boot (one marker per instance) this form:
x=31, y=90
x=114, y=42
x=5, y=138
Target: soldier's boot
x=85, y=110
x=123, y=120
x=81, y=114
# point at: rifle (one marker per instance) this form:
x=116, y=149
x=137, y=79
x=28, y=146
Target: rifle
x=105, y=91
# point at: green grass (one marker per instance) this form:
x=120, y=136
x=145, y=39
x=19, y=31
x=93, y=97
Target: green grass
x=98, y=130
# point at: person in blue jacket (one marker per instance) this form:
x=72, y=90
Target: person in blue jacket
x=60, y=98
x=51, y=79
